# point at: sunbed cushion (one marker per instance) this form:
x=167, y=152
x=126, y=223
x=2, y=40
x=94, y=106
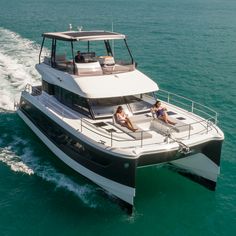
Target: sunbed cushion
x=138, y=134
x=163, y=127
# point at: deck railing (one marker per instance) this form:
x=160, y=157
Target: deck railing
x=174, y=99
x=206, y=124
x=188, y=104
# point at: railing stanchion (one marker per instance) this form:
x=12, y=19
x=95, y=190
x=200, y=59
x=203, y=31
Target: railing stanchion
x=189, y=129
x=81, y=125
x=192, y=106
x=111, y=138
x=141, y=139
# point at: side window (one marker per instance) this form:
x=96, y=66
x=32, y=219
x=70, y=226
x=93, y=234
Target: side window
x=66, y=97
x=80, y=104
x=72, y=100
x=48, y=88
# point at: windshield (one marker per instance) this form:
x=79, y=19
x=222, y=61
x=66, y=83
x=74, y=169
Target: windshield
x=140, y=103
x=134, y=104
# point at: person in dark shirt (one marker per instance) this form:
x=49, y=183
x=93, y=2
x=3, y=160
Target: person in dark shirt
x=78, y=58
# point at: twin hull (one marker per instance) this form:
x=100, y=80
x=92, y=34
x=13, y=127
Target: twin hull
x=113, y=172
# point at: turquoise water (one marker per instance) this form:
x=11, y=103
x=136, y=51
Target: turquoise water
x=189, y=48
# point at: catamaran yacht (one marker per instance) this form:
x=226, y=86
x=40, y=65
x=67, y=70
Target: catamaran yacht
x=72, y=112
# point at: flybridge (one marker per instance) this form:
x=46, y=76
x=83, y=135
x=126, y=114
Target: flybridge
x=84, y=35
x=97, y=52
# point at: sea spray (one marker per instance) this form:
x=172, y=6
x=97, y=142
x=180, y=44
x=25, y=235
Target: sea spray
x=18, y=57
x=29, y=164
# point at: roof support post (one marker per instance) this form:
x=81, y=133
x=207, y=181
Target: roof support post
x=108, y=48
x=41, y=49
x=129, y=52
x=72, y=52
x=53, y=53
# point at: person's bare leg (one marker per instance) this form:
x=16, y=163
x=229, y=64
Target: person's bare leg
x=130, y=125
x=170, y=122
x=165, y=118
x=127, y=125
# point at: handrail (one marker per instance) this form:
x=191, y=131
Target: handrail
x=188, y=104
x=207, y=123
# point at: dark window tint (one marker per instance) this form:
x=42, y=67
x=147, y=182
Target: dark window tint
x=68, y=143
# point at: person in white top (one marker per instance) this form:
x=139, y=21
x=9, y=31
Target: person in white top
x=123, y=119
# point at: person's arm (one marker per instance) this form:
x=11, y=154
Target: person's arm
x=162, y=108
x=153, y=111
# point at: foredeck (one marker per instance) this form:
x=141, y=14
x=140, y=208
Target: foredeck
x=192, y=128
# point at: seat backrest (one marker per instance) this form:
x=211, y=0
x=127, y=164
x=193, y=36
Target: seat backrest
x=114, y=119
x=107, y=60
x=60, y=57
x=92, y=68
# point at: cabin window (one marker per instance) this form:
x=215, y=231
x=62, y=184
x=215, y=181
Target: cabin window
x=66, y=97
x=135, y=104
x=72, y=100
x=106, y=107
x=140, y=103
x=68, y=143
x=48, y=88
x=80, y=104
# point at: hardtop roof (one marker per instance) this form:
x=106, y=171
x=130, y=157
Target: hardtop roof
x=84, y=35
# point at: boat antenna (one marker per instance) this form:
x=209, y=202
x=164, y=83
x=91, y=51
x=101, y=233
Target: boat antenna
x=70, y=27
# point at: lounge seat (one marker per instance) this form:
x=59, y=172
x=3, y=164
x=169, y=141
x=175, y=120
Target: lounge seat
x=61, y=62
x=138, y=134
x=141, y=118
x=162, y=127
x=92, y=68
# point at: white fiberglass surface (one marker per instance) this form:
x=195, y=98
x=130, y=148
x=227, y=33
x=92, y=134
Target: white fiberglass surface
x=103, y=131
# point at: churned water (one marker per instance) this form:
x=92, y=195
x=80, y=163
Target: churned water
x=187, y=47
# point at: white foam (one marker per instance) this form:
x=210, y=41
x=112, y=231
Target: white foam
x=18, y=57
x=30, y=164
x=8, y=157
x=61, y=181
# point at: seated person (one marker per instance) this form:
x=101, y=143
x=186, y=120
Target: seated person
x=161, y=113
x=123, y=119
x=79, y=58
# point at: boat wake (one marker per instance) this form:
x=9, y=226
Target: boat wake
x=28, y=163
x=17, y=59
x=8, y=157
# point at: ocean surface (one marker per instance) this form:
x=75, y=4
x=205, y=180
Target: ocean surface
x=188, y=47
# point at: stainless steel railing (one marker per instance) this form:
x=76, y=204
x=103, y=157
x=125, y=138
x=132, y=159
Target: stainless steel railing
x=206, y=123
x=188, y=104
